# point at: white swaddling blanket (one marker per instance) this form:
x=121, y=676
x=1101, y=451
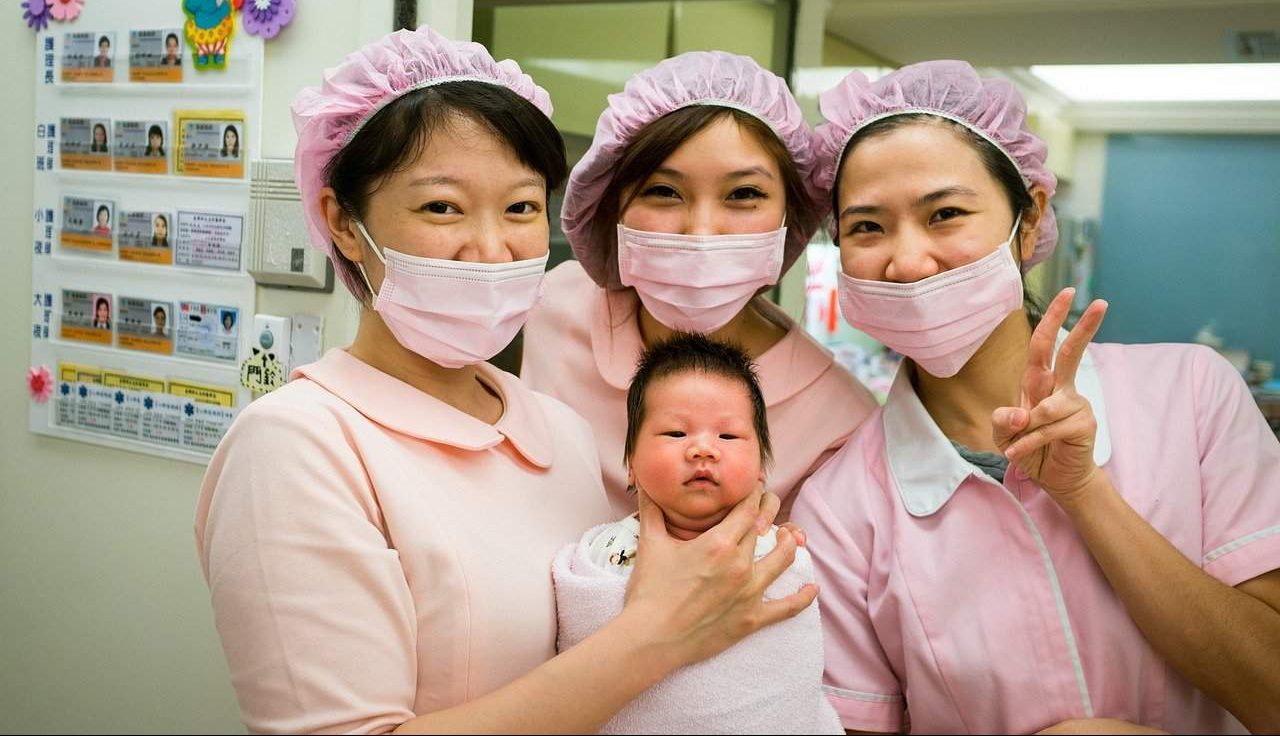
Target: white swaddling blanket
x=768, y=683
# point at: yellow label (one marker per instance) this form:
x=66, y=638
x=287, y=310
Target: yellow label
x=203, y=393
x=79, y=373
x=132, y=382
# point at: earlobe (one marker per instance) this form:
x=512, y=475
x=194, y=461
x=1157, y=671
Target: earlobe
x=344, y=234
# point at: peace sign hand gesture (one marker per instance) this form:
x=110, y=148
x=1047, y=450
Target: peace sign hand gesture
x=1050, y=436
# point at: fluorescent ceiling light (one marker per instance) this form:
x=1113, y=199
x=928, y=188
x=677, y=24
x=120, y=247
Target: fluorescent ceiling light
x=1163, y=82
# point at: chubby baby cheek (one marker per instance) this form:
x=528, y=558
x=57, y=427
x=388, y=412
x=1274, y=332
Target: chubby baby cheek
x=739, y=483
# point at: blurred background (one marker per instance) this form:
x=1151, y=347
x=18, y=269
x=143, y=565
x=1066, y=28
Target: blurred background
x=1163, y=124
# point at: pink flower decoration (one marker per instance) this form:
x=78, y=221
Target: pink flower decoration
x=266, y=17
x=65, y=10
x=36, y=14
x=39, y=383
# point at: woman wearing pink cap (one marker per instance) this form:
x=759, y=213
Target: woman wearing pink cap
x=1035, y=531
x=691, y=201
x=377, y=534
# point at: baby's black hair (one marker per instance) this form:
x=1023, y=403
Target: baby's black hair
x=689, y=351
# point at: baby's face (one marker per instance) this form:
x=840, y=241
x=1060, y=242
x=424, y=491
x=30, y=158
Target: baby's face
x=696, y=453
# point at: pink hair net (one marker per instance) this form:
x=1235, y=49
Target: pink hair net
x=991, y=107
x=693, y=78
x=328, y=117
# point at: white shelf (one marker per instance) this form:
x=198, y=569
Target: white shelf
x=168, y=181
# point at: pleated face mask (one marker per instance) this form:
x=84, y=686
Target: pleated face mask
x=941, y=321
x=698, y=283
x=454, y=313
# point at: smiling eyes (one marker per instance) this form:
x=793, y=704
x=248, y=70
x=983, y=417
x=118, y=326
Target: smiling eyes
x=664, y=191
x=942, y=214
x=522, y=209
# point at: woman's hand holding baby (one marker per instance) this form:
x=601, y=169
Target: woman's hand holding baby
x=704, y=595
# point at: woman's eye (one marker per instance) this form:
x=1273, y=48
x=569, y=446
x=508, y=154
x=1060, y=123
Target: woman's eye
x=865, y=226
x=747, y=193
x=947, y=213
x=662, y=191
x=523, y=208
x=673, y=433
x=439, y=208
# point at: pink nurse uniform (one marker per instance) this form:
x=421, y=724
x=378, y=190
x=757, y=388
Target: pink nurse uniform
x=975, y=607
x=581, y=345
x=373, y=553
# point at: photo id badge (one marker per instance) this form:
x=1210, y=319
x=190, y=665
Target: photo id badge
x=143, y=324
x=211, y=146
x=85, y=143
x=87, y=56
x=208, y=331
x=87, y=316
x=144, y=237
x=141, y=146
x=87, y=224
x=155, y=55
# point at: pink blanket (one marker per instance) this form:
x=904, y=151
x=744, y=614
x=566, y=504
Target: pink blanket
x=768, y=683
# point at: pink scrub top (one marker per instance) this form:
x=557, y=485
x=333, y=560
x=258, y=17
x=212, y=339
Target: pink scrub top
x=373, y=553
x=581, y=345
x=977, y=607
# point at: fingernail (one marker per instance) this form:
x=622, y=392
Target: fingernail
x=761, y=525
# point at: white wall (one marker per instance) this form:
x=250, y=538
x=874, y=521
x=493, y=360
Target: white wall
x=1082, y=198
x=105, y=623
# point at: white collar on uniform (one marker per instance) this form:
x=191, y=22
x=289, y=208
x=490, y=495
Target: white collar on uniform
x=924, y=464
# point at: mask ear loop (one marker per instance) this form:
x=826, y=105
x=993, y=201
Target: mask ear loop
x=376, y=252
x=1013, y=236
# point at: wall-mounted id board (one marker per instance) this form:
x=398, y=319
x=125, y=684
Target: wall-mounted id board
x=140, y=297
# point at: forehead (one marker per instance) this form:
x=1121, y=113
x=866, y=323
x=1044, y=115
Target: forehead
x=455, y=145
x=722, y=145
x=700, y=394
x=916, y=155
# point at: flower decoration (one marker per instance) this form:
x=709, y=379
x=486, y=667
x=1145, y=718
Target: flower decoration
x=39, y=383
x=65, y=10
x=36, y=14
x=266, y=17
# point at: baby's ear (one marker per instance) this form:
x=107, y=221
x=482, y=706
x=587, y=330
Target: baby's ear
x=631, y=476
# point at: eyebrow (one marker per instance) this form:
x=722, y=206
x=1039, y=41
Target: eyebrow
x=427, y=181
x=931, y=197
x=739, y=174
x=752, y=170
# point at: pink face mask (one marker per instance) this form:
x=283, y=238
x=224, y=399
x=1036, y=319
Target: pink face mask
x=941, y=321
x=698, y=282
x=451, y=312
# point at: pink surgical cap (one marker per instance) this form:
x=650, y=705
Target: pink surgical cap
x=328, y=117
x=991, y=107
x=693, y=78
